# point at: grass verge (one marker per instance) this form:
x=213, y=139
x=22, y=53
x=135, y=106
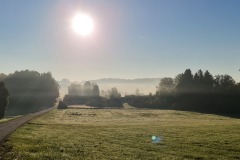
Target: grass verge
x=8, y=119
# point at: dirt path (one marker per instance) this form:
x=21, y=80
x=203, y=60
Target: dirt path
x=10, y=126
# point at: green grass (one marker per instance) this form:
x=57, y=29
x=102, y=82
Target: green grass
x=124, y=134
x=8, y=119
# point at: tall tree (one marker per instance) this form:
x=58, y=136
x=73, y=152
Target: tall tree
x=224, y=83
x=185, y=82
x=3, y=99
x=95, y=91
x=198, y=78
x=2, y=76
x=165, y=86
x=113, y=93
x=87, y=89
x=75, y=89
x=30, y=91
x=208, y=81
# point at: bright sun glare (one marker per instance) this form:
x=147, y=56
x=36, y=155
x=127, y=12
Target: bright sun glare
x=82, y=24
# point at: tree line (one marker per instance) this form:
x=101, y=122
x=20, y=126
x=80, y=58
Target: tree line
x=29, y=91
x=4, y=95
x=88, y=89
x=89, y=94
x=200, y=92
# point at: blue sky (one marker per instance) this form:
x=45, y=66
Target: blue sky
x=131, y=39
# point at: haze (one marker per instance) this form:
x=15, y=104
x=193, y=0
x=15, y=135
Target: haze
x=131, y=39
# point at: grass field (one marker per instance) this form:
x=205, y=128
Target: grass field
x=124, y=134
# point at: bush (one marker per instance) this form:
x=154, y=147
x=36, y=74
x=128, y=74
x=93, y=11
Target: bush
x=62, y=105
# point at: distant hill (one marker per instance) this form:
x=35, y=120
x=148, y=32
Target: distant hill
x=125, y=86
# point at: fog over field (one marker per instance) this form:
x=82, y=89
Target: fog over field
x=125, y=86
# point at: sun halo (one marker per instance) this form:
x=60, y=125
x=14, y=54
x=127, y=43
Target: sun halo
x=82, y=24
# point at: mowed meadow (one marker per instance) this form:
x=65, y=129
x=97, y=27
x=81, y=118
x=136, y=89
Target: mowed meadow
x=76, y=134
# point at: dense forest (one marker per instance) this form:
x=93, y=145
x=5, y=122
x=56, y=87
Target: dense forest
x=30, y=91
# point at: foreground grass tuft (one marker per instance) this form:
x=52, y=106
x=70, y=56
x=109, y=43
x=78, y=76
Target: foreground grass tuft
x=124, y=134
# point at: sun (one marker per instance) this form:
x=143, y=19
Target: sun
x=82, y=24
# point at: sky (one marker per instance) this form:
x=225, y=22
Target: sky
x=130, y=39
